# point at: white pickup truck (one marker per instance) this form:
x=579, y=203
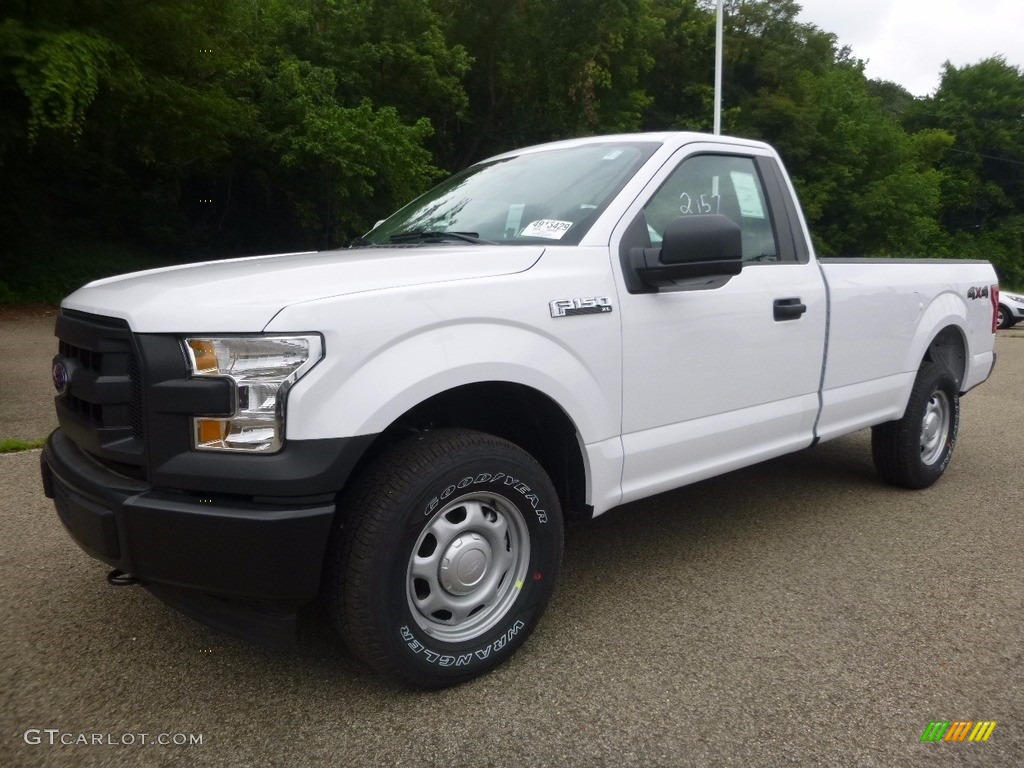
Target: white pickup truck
x=399, y=428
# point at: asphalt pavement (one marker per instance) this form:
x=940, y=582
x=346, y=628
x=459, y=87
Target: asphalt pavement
x=27, y=345
x=795, y=613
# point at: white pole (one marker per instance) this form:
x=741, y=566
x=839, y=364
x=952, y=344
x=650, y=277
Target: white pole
x=718, y=67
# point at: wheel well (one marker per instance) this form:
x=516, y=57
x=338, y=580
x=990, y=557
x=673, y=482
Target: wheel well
x=516, y=413
x=949, y=349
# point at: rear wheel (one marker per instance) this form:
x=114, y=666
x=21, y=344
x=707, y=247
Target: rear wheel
x=914, y=451
x=446, y=557
x=1005, y=318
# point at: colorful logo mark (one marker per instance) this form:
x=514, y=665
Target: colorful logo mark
x=958, y=730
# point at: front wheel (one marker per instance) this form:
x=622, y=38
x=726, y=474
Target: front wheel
x=914, y=451
x=447, y=553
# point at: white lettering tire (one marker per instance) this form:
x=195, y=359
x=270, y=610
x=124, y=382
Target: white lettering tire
x=446, y=554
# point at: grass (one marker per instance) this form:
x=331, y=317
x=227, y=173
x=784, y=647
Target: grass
x=14, y=444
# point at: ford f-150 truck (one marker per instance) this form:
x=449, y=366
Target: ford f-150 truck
x=400, y=428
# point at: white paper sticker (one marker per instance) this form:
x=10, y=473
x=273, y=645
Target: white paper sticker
x=552, y=229
x=747, y=194
x=612, y=155
x=515, y=218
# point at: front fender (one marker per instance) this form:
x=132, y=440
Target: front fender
x=345, y=399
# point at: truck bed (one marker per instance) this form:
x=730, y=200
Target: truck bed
x=881, y=315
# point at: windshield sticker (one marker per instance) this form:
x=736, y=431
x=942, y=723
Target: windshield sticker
x=747, y=195
x=612, y=155
x=552, y=229
x=515, y=218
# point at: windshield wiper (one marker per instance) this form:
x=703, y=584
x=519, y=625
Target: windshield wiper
x=426, y=235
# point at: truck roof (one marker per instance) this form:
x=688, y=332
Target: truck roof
x=673, y=138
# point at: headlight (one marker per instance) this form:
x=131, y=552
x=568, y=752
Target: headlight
x=262, y=369
x=1012, y=297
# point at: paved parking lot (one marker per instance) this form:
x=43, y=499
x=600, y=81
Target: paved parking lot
x=795, y=613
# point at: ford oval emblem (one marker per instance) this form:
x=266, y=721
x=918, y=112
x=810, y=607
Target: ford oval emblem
x=60, y=377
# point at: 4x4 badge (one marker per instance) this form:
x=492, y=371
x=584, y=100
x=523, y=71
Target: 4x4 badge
x=978, y=293
x=592, y=305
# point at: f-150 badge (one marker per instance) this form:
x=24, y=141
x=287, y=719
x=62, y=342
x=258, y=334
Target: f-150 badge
x=592, y=305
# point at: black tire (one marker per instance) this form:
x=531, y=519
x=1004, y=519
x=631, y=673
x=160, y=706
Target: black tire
x=1005, y=319
x=914, y=451
x=447, y=553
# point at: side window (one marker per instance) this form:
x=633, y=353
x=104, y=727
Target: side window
x=722, y=184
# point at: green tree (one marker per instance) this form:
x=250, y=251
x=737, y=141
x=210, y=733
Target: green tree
x=546, y=69
x=868, y=187
x=982, y=105
x=214, y=127
x=338, y=138
x=107, y=110
x=681, y=82
x=218, y=126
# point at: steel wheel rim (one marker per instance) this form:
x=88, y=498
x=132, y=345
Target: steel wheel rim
x=935, y=427
x=467, y=567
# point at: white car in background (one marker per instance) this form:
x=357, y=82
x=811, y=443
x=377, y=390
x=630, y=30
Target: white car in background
x=1011, y=309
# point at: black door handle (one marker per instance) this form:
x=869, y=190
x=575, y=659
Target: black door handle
x=788, y=309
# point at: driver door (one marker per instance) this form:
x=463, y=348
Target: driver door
x=719, y=378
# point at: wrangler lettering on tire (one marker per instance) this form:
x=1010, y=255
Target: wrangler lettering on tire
x=444, y=558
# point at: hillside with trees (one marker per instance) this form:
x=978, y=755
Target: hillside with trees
x=135, y=134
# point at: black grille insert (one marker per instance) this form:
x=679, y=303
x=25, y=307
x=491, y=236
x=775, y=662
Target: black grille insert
x=102, y=409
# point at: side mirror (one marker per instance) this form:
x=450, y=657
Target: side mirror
x=697, y=252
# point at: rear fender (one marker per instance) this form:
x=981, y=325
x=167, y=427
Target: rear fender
x=947, y=310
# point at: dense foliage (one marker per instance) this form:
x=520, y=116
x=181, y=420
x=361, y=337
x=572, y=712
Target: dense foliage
x=182, y=129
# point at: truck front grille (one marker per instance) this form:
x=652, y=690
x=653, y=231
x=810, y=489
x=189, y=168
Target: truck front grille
x=102, y=409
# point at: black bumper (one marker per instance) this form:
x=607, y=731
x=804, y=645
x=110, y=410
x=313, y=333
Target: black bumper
x=241, y=565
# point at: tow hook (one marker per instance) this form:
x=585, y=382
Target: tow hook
x=121, y=579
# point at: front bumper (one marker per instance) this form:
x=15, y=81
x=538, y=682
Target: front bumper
x=241, y=565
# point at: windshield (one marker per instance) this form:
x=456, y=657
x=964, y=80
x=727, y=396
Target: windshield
x=549, y=196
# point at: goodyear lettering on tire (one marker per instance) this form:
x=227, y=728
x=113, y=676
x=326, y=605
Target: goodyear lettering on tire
x=486, y=477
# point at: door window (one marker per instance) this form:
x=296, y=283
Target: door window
x=717, y=184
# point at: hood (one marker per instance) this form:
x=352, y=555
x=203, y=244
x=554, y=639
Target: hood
x=243, y=295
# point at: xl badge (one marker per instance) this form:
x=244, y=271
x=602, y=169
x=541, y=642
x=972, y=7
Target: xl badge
x=593, y=305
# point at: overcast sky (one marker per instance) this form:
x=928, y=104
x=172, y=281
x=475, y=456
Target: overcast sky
x=907, y=41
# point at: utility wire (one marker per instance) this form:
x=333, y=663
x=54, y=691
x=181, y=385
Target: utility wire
x=987, y=157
